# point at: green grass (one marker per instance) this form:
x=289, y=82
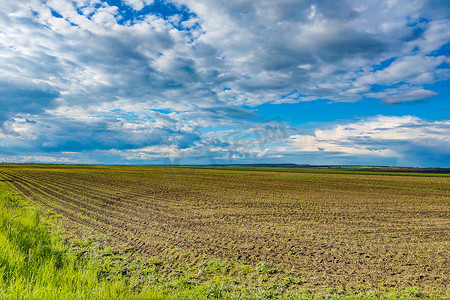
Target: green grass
x=37, y=261
x=319, y=171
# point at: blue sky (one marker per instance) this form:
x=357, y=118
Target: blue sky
x=207, y=81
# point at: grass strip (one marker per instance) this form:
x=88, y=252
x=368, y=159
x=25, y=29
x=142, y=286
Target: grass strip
x=317, y=171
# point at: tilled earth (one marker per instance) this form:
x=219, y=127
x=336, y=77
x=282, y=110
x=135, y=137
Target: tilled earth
x=331, y=229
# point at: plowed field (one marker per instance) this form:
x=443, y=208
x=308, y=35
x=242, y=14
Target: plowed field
x=332, y=229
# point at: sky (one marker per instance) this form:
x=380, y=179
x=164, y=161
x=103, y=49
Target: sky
x=319, y=82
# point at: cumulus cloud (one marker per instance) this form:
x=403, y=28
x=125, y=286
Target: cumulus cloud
x=138, y=4
x=409, y=69
x=100, y=133
x=399, y=137
x=322, y=49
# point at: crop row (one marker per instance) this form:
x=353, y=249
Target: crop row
x=361, y=228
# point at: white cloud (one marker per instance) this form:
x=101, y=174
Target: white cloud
x=437, y=34
x=408, y=69
x=302, y=45
x=257, y=50
x=138, y=4
x=380, y=136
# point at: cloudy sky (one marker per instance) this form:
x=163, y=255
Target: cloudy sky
x=236, y=81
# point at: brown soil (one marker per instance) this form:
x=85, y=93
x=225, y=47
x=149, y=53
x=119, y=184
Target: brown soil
x=331, y=229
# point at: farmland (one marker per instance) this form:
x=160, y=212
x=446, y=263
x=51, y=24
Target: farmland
x=332, y=230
